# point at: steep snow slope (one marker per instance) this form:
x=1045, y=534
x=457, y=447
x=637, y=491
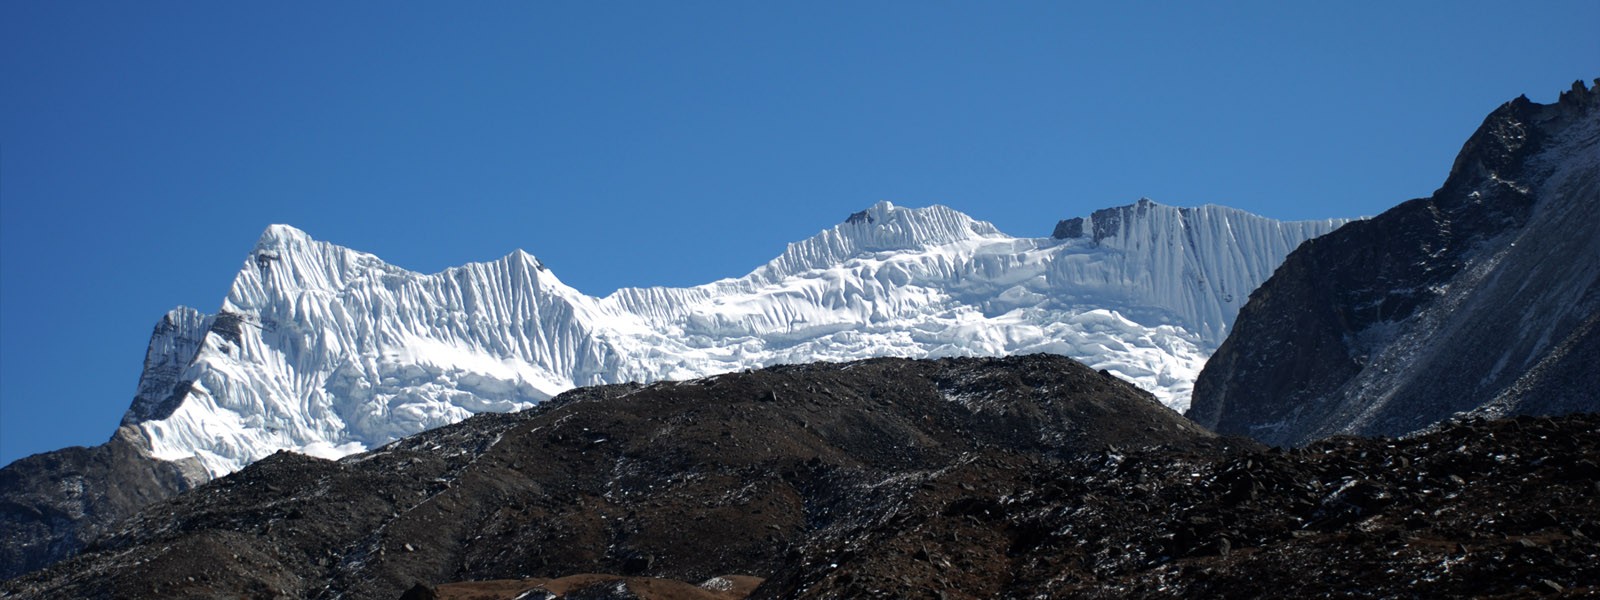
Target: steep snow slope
x=328, y=351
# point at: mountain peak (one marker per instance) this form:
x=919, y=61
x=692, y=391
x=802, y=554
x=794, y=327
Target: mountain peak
x=873, y=214
x=883, y=227
x=1580, y=95
x=314, y=335
x=327, y=351
x=1499, y=155
x=1477, y=298
x=523, y=256
x=911, y=227
x=279, y=236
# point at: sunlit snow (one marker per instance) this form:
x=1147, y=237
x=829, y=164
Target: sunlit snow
x=331, y=351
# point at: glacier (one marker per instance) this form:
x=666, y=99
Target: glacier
x=330, y=351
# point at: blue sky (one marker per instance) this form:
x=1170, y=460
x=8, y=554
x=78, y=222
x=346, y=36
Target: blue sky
x=144, y=146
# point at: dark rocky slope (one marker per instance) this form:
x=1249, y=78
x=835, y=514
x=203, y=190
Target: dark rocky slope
x=961, y=478
x=1483, y=297
x=53, y=504
x=1480, y=509
x=725, y=475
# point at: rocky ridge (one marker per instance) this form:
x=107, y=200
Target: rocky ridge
x=56, y=503
x=1484, y=297
x=686, y=480
x=957, y=478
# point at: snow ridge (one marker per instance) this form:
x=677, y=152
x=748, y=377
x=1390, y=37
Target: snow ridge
x=328, y=351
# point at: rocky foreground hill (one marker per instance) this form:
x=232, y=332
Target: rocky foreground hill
x=953, y=478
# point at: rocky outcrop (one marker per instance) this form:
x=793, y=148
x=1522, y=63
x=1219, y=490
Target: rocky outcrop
x=174, y=343
x=54, y=504
x=1482, y=297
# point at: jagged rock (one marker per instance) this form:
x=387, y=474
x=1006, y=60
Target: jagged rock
x=1068, y=229
x=1483, y=297
x=53, y=505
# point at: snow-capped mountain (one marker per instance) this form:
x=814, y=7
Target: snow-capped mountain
x=1484, y=298
x=328, y=351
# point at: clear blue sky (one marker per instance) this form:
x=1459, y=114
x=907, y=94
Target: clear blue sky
x=145, y=145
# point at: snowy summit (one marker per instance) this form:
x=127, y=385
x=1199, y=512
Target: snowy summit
x=329, y=351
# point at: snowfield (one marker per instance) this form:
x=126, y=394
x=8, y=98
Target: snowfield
x=330, y=351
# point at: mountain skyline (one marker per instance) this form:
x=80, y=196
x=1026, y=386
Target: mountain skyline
x=144, y=146
x=180, y=314
x=327, y=351
x=324, y=351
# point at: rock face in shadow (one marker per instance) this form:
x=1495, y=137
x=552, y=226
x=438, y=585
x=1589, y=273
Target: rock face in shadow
x=53, y=504
x=1483, y=297
x=687, y=481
